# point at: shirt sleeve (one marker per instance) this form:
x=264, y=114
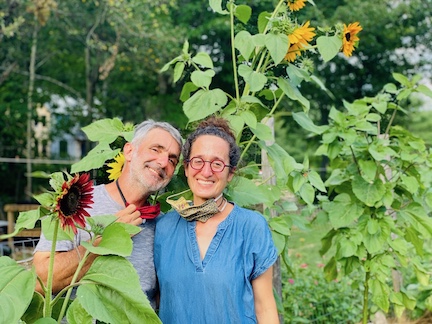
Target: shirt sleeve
x=264, y=251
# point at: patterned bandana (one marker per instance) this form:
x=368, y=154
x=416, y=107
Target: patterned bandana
x=191, y=213
x=147, y=211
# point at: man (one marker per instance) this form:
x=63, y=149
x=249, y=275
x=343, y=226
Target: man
x=150, y=161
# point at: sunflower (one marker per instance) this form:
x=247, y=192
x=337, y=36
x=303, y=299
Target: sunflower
x=75, y=197
x=296, y=5
x=350, y=38
x=116, y=167
x=299, y=39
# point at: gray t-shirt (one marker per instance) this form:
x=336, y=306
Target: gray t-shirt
x=142, y=253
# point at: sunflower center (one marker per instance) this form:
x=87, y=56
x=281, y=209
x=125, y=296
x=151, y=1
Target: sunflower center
x=348, y=37
x=70, y=202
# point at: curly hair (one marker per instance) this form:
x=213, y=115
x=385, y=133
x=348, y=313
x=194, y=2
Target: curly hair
x=219, y=127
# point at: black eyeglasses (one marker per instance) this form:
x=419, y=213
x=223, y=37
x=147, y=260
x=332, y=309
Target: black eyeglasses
x=197, y=163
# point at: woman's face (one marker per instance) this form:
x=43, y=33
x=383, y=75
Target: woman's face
x=205, y=183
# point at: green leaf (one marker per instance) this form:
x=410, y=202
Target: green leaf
x=380, y=293
x=293, y=93
x=329, y=46
x=255, y=80
x=203, y=59
x=187, y=89
x=243, y=42
x=425, y=90
x=236, y=123
x=367, y=192
x=316, y=181
x=246, y=193
x=243, y=13
x=368, y=169
x=263, y=20
x=402, y=79
x=346, y=248
x=249, y=118
x=104, y=130
x=281, y=162
x=115, y=240
x=216, y=5
x=202, y=79
x=48, y=226
x=263, y=132
x=95, y=159
x=307, y=193
x=178, y=71
x=114, y=294
x=35, y=310
x=342, y=211
x=16, y=289
x=280, y=225
x=304, y=121
x=26, y=220
x=410, y=183
x=279, y=240
x=277, y=45
x=330, y=270
x=204, y=103
x=76, y=314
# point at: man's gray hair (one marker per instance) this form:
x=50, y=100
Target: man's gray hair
x=141, y=131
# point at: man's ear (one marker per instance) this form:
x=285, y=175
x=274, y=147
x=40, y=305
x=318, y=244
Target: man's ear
x=127, y=151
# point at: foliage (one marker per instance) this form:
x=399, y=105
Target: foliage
x=379, y=194
x=309, y=298
x=110, y=289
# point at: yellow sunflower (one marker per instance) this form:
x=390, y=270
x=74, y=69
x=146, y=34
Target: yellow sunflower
x=350, y=38
x=296, y=5
x=299, y=39
x=116, y=167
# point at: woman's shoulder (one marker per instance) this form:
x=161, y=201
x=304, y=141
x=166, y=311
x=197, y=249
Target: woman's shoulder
x=168, y=217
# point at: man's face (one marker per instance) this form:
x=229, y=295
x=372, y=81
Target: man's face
x=153, y=161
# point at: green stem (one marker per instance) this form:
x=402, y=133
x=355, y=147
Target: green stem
x=72, y=284
x=234, y=61
x=366, y=297
x=48, y=292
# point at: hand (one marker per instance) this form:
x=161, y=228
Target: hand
x=130, y=215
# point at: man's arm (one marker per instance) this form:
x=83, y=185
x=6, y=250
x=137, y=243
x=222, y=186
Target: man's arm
x=66, y=262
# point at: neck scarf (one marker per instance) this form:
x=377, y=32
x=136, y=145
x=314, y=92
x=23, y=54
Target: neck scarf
x=201, y=213
x=147, y=211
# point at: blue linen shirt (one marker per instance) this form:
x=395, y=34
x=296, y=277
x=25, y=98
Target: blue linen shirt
x=217, y=289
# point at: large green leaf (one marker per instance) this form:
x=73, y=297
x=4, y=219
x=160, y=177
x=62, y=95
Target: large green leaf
x=245, y=192
x=277, y=45
x=26, y=220
x=329, y=46
x=202, y=79
x=204, y=103
x=304, y=121
x=243, y=42
x=367, y=192
x=380, y=294
x=342, y=210
x=95, y=159
x=76, y=314
x=115, y=294
x=263, y=132
x=203, y=59
x=115, y=240
x=243, y=13
x=293, y=93
x=16, y=289
x=104, y=130
x=255, y=80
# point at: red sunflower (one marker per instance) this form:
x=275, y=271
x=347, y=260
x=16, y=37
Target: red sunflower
x=76, y=196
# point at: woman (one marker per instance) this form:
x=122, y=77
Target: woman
x=213, y=259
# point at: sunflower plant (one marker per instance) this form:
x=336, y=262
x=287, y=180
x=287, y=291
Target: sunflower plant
x=110, y=289
x=271, y=62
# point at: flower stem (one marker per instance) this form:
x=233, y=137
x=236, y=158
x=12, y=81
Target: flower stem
x=48, y=292
x=72, y=284
x=234, y=61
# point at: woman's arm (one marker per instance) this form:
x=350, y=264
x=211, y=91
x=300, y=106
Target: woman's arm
x=265, y=304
